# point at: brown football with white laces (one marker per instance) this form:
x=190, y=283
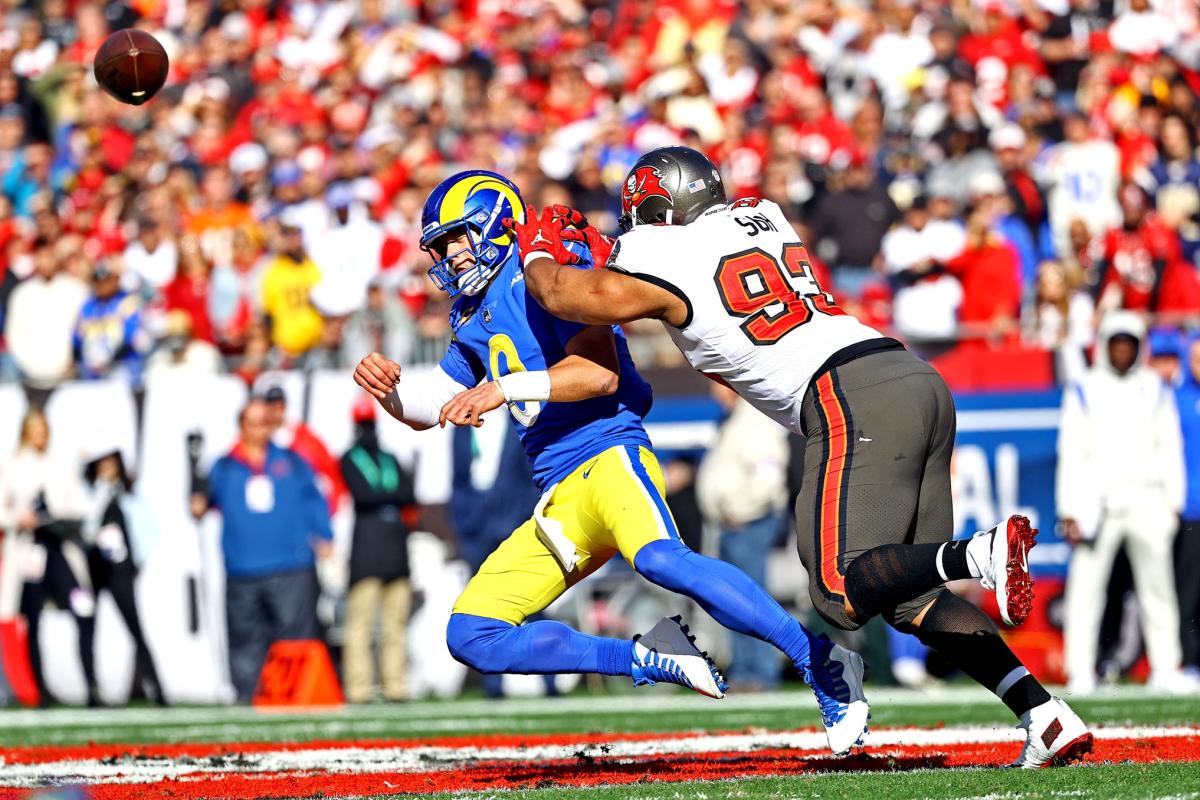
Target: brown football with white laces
x=131, y=65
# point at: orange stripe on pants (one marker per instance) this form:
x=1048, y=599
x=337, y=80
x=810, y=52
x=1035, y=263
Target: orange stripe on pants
x=832, y=514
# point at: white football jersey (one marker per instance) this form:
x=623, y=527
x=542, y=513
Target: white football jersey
x=756, y=317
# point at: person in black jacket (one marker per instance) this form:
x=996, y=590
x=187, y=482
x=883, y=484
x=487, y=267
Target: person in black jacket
x=379, y=586
x=113, y=556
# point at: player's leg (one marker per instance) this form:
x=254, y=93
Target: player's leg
x=897, y=572
x=628, y=497
x=523, y=576
x=957, y=628
x=520, y=578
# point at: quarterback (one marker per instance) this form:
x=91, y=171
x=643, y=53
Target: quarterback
x=734, y=286
x=578, y=402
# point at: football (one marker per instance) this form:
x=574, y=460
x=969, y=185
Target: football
x=131, y=65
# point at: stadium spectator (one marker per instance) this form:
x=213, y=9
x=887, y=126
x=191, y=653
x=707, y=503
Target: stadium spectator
x=850, y=222
x=1132, y=261
x=347, y=255
x=110, y=337
x=296, y=326
x=190, y=290
x=743, y=491
x=42, y=501
x=150, y=259
x=1166, y=351
x=926, y=299
x=989, y=273
x=297, y=436
x=1081, y=175
x=1061, y=319
x=233, y=291
x=1113, y=490
x=1187, y=543
x=273, y=522
x=119, y=530
x=180, y=353
x=382, y=492
x=40, y=321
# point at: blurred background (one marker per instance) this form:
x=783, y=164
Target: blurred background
x=985, y=179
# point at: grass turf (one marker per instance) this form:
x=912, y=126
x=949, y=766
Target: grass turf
x=1099, y=781
x=656, y=711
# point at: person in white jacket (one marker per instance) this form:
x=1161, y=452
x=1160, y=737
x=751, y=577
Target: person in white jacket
x=1120, y=481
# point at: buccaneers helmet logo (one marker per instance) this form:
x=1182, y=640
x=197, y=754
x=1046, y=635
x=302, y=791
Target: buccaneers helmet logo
x=644, y=182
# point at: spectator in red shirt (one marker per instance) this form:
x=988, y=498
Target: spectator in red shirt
x=987, y=270
x=189, y=290
x=1132, y=261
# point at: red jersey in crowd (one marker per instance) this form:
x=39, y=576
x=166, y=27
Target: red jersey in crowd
x=989, y=274
x=300, y=438
x=1133, y=262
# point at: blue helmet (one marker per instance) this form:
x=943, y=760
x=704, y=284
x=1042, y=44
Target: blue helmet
x=474, y=201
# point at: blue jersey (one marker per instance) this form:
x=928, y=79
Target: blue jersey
x=504, y=330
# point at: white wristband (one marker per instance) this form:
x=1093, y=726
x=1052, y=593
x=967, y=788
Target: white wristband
x=521, y=387
x=534, y=255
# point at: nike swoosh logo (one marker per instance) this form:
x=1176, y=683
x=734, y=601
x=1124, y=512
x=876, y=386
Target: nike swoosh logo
x=865, y=439
x=1025, y=559
x=588, y=471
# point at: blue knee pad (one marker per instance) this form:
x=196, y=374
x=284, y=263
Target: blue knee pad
x=474, y=641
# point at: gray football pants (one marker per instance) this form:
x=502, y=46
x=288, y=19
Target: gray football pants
x=880, y=433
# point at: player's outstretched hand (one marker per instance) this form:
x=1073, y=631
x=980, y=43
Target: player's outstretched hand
x=574, y=227
x=468, y=408
x=378, y=374
x=540, y=235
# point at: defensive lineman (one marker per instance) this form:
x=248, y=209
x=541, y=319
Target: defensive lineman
x=874, y=520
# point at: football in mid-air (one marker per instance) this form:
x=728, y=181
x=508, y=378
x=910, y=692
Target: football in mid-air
x=131, y=65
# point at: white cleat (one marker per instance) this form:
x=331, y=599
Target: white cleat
x=667, y=653
x=836, y=677
x=1001, y=556
x=1054, y=736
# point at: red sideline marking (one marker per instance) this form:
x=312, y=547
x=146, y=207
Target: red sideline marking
x=594, y=771
x=50, y=753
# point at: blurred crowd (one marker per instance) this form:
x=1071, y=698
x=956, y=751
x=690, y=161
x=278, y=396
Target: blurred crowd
x=1003, y=170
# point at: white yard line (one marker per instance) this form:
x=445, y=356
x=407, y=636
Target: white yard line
x=350, y=760
x=490, y=710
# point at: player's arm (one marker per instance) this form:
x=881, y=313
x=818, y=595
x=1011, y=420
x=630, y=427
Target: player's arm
x=590, y=369
x=599, y=296
x=414, y=401
x=591, y=296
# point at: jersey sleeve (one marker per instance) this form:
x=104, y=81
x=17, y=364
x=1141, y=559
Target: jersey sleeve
x=461, y=365
x=648, y=256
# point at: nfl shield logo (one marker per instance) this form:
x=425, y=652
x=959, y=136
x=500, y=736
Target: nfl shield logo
x=487, y=316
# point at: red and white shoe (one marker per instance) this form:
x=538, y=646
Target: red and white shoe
x=1054, y=736
x=1001, y=557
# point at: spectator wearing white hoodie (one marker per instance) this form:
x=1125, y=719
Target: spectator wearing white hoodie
x=1120, y=481
x=41, y=318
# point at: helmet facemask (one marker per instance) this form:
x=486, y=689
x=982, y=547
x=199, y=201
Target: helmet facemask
x=486, y=256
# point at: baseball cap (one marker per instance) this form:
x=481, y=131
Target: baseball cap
x=340, y=195
x=274, y=394
x=363, y=409
x=1166, y=342
x=1007, y=137
x=985, y=183
x=247, y=157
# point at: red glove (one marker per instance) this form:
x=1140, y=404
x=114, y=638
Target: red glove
x=575, y=228
x=540, y=236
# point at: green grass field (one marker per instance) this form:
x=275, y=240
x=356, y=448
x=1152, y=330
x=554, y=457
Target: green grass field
x=873, y=775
